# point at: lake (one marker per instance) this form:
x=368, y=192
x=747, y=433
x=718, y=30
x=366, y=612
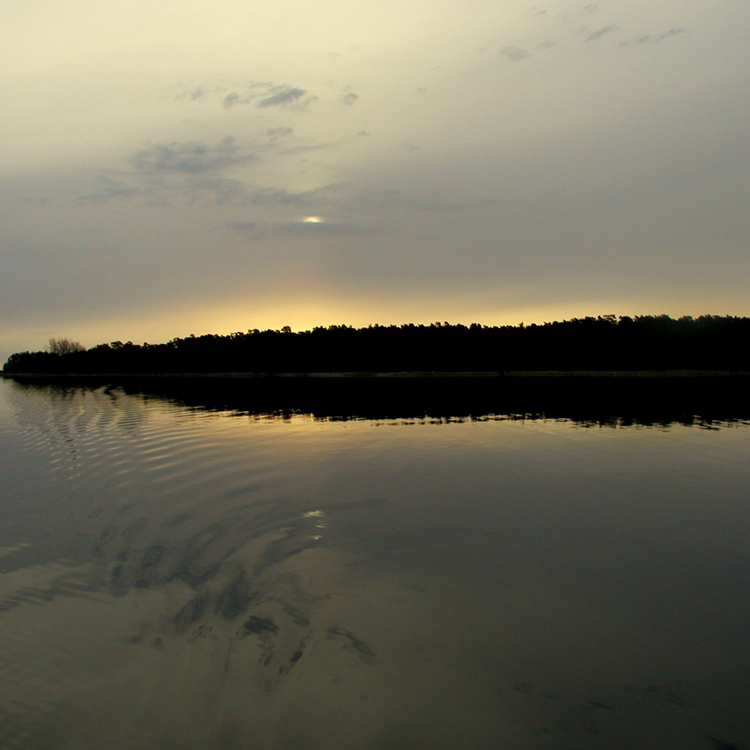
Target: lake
x=208, y=568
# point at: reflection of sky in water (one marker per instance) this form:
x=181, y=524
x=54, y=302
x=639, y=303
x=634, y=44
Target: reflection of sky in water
x=172, y=577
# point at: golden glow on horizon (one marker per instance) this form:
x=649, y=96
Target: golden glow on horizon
x=312, y=220
x=327, y=307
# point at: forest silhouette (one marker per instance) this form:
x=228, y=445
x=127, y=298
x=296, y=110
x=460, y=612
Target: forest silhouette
x=603, y=344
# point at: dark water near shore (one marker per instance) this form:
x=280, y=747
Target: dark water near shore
x=224, y=569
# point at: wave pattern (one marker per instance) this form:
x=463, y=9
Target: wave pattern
x=198, y=533
x=173, y=577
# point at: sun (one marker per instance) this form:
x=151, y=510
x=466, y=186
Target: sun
x=312, y=220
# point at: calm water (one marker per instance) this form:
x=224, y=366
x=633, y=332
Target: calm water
x=179, y=577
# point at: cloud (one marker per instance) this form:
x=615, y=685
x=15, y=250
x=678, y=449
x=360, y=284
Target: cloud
x=191, y=158
x=402, y=200
x=190, y=94
x=261, y=230
x=278, y=132
x=601, y=32
x=282, y=197
x=514, y=54
x=192, y=172
x=243, y=226
x=109, y=188
x=222, y=191
x=305, y=149
x=349, y=99
x=286, y=95
x=196, y=172
x=197, y=94
x=262, y=94
x=231, y=99
x=653, y=38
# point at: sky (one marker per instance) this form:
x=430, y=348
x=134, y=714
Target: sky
x=186, y=166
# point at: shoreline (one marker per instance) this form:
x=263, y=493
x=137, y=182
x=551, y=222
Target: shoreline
x=411, y=375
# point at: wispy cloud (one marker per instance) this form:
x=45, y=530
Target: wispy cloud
x=514, y=54
x=304, y=228
x=599, y=33
x=316, y=197
x=262, y=94
x=654, y=38
x=231, y=99
x=304, y=149
x=274, y=133
x=285, y=96
x=109, y=188
x=162, y=173
x=180, y=173
x=189, y=158
x=195, y=95
x=400, y=200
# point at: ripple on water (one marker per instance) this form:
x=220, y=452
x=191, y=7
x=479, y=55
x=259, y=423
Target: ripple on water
x=173, y=578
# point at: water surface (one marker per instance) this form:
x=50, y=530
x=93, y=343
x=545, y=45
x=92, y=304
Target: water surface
x=174, y=575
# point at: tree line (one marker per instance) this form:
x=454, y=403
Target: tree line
x=605, y=343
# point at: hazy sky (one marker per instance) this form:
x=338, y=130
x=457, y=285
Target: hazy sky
x=184, y=166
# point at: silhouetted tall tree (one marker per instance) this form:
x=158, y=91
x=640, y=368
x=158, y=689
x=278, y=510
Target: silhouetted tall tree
x=63, y=346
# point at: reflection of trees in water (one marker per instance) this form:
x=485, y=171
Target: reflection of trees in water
x=704, y=402
x=615, y=402
x=67, y=412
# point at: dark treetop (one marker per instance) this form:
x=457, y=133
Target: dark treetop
x=602, y=344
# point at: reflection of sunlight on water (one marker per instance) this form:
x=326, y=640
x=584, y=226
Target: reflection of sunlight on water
x=207, y=578
x=318, y=515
